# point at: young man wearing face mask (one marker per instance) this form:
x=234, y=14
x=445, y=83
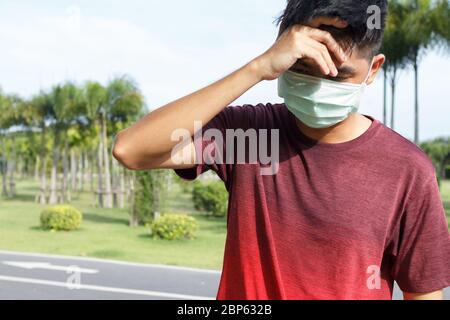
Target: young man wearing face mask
x=353, y=206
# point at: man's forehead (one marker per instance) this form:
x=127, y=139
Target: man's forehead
x=346, y=68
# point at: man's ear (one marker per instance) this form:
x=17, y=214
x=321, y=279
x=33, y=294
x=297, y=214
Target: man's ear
x=378, y=62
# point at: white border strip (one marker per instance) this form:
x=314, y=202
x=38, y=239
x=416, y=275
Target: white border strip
x=43, y=255
x=105, y=289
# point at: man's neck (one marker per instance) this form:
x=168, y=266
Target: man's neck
x=350, y=129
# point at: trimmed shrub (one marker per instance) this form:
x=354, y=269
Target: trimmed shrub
x=61, y=217
x=212, y=198
x=148, y=196
x=174, y=227
x=197, y=195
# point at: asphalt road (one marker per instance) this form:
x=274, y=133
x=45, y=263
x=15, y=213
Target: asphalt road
x=42, y=277
x=35, y=276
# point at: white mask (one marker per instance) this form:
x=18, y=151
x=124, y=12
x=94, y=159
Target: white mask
x=320, y=103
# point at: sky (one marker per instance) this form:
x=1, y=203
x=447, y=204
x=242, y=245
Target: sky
x=172, y=48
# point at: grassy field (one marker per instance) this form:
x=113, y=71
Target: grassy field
x=105, y=233
x=445, y=191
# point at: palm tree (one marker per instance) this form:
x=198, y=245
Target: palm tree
x=396, y=50
x=4, y=126
x=95, y=98
x=36, y=114
x=426, y=27
x=126, y=109
x=9, y=117
x=65, y=100
x=107, y=109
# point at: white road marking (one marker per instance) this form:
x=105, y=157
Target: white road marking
x=124, y=263
x=105, y=289
x=48, y=266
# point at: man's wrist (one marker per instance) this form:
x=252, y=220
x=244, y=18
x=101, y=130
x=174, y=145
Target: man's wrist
x=254, y=68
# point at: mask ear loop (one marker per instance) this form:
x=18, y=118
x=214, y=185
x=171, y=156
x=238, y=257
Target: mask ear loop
x=368, y=74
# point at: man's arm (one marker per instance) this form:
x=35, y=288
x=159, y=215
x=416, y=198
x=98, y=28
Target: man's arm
x=437, y=295
x=148, y=145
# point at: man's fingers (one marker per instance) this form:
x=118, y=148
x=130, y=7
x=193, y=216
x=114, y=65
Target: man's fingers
x=326, y=56
x=316, y=57
x=333, y=46
x=328, y=21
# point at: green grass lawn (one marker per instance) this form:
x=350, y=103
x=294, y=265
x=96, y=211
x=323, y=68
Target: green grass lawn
x=445, y=191
x=106, y=234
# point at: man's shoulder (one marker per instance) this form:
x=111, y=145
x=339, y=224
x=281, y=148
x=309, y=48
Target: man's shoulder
x=256, y=108
x=402, y=152
x=261, y=115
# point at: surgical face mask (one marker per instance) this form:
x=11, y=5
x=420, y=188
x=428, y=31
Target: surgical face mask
x=320, y=103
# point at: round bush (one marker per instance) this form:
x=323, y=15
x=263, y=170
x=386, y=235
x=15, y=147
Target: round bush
x=174, y=227
x=211, y=198
x=61, y=217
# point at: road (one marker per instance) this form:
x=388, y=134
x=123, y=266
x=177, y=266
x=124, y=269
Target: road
x=36, y=276
x=42, y=277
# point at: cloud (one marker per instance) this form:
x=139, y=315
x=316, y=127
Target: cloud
x=46, y=50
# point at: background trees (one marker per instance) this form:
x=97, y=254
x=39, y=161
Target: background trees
x=414, y=27
x=65, y=135
x=439, y=152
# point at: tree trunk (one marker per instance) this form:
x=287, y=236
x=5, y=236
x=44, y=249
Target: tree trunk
x=3, y=166
x=25, y=167
x=53, y=199
x=80, y=174
x=99, y=174
x=385, y=97
x=122, y=188
x=4, y=177
x=106, y=159
x=114, y=184
x=73, y=170
x=43, y=188
x=37, y=164
x=12, y=169
x=20, y=167
x=134, y=218
x=416, y=102
x=41, y=197
x=65, y=180
x=393, y=84
x=90, y=165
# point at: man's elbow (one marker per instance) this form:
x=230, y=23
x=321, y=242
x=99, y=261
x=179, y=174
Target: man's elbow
x=122, y=154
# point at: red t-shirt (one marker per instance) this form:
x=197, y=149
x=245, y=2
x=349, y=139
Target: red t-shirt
x=332, y=218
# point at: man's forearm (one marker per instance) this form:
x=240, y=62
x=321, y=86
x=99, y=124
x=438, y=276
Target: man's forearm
x=151, y=136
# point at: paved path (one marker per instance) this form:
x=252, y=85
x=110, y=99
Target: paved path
x=38, y=276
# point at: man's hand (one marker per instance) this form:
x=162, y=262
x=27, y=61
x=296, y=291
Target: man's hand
x=303, y=42
x=437, y=295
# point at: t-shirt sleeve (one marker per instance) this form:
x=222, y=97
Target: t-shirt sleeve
x=422, y=262
x=211, y=144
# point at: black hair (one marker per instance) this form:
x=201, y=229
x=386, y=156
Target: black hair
x=355, y=13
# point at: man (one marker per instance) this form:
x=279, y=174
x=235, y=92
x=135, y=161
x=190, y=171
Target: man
x=350, y=205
